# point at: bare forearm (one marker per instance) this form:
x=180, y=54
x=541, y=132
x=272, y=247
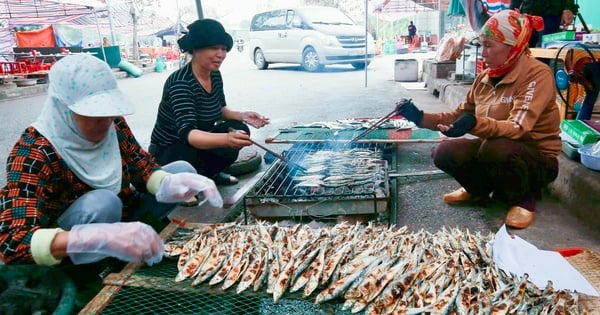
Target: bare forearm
x=58, y=247
x=207, y=140
x=228, y=114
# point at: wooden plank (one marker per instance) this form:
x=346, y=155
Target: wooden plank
x=100, y=301
x=548, y=53
x=114, y=281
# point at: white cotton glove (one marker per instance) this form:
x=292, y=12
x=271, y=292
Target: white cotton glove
x=128, y=241
x=181, y=187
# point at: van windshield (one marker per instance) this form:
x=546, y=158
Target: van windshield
x=330, y=16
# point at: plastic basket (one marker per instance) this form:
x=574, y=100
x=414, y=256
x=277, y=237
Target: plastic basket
x=590, y=161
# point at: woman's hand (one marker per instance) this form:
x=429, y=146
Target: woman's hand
x=254, y=119
x=460, y=127
x=237, y=139
x=127, y=241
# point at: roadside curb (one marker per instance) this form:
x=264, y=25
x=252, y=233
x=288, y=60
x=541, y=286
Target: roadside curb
x=10, y=91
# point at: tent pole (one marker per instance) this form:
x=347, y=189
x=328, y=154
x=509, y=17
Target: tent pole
x=100, y=36
x=366, y=38
x=111, y=24
x=199, y=9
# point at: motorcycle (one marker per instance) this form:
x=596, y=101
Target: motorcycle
x=240, y=44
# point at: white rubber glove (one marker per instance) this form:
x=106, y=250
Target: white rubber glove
x=128, y=241
x=181, y=187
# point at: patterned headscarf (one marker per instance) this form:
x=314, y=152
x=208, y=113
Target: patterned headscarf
x=512, y=28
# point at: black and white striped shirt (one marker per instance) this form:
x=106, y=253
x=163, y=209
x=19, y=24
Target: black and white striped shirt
x=185, y=106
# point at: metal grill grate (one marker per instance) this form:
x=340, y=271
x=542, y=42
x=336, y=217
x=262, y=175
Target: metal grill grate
x=280, y=194
x=153, y=291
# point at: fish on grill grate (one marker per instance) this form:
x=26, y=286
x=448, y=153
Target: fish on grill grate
x=370, y=268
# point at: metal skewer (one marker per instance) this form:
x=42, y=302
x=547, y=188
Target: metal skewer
x=277, y=155
x=378, y=123
x=374, y=126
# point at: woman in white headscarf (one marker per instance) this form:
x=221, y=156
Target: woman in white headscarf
x=78, y=182
x=511, y=110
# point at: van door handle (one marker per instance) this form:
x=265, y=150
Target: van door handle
x=283, y=35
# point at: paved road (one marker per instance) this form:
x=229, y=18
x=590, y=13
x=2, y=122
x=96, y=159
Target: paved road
x=288, y=95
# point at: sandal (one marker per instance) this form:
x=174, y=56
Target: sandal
x=192, y=202
x=224, y=179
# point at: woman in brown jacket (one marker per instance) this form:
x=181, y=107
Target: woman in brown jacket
x=511, y=109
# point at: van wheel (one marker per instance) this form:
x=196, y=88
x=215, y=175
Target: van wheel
x=310, y=60
x=360, y=65
x=259, y=60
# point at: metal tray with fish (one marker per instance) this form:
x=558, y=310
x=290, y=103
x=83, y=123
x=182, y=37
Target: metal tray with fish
x=336, y=182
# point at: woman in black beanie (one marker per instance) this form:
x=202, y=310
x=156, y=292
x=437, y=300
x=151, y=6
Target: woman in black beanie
x=193, y=122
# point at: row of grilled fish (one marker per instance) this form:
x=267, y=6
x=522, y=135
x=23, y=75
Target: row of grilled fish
x=337, y=168
x=350, y=124
x=369, y=268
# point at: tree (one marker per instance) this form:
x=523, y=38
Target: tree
x=136, y=10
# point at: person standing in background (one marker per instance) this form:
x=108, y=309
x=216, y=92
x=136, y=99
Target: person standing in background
x=412, y=32
x=105, y=41
x=556, y=13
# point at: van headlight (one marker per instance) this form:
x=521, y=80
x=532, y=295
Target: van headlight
x=329, y=40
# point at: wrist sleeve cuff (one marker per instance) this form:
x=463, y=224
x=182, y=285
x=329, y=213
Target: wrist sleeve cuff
x=40, y=246
x=154, y=181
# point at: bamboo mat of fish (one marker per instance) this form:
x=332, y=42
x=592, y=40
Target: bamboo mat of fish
x=588, y=264
x=137, y=289
x=142, y=290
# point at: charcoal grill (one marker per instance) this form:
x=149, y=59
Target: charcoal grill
x=277, y=194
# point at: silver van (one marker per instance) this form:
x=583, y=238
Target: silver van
x=311, y=36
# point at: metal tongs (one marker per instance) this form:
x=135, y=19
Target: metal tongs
x=277, y=155
x=378, y=123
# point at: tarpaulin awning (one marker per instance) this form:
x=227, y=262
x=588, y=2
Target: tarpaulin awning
x=43, y=37
x=43, y=12
x=23, y=12
x=76, y=12
x=455, y=8
x=397, y=9
x=494, y=6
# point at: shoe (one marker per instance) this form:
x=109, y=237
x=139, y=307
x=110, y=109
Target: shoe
x=519, y=218
x=457, y=197
x=224, y=179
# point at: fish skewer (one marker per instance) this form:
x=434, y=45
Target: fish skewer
x=275, y=154
x=376, y=125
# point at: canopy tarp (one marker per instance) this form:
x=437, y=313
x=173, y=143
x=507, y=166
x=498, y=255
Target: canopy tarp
x=173, y=30
x=398, y=9
x=43, y=37
x=23, y=12
x=44, y=12
x=83, y=13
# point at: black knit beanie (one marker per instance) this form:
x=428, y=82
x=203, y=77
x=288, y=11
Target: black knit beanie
x=204, y=33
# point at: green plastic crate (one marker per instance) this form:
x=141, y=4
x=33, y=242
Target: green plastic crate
x=579, y=131
x=557, y=37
